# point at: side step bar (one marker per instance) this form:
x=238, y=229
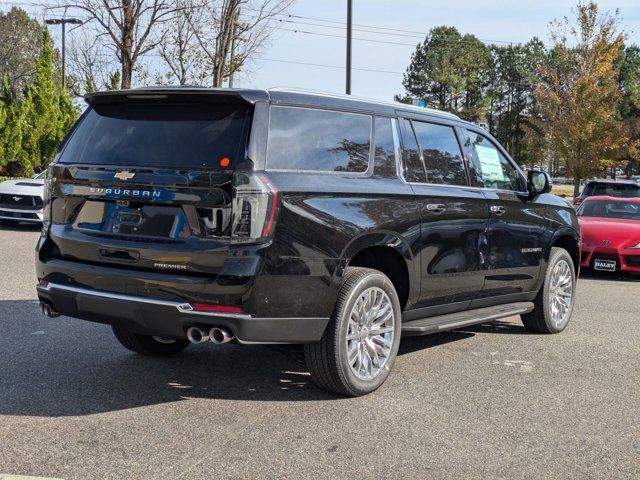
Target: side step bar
x=450, y=321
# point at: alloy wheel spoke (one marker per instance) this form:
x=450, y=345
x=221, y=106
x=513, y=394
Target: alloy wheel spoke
x=370, y=333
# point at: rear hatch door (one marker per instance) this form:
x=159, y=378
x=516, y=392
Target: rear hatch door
x=146, y=182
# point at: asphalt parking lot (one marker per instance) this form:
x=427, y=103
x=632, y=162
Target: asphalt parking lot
x=487, y=402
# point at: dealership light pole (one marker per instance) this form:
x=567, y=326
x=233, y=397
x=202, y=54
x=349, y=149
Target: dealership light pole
x=63, y=22
x=348, y=86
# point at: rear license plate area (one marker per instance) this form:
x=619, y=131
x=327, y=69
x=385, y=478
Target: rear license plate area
x=604, y=265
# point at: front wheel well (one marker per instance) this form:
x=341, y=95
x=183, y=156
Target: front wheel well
x=390, y=262
x=568, y=243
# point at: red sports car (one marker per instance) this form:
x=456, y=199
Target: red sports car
x=610, y=230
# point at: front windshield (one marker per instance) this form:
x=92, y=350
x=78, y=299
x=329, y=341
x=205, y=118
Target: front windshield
x=610, y=209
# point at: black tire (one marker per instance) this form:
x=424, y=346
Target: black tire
x=540, y=319
x=148, y=345
x=327, y=359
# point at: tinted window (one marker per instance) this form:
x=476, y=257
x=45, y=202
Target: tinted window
x=385, y=155
x=312, y=139
x=495, y=169
x=441, y=153
x=158, y=135
x=599, y=208
x=412, y=164
x=621, y=190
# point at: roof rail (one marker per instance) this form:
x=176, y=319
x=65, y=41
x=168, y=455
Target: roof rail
x=363, y=99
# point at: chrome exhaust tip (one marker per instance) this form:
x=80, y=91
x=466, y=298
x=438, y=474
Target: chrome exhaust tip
x=220, y=335
x=197, y=335
x=48, y=311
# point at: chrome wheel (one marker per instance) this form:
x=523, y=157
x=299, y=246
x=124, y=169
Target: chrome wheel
x=560, y=293
x=370, y=333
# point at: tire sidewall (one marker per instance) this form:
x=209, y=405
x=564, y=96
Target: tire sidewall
x=558, y=254
x=342, y=324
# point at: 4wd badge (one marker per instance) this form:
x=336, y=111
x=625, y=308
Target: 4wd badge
x=124, y=175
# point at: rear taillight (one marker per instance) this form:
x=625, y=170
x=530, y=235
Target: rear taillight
x=255, y=208
x=49, y=184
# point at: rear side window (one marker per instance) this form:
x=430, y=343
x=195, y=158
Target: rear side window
x=309, y=139
x=182, y=135
x=622, y=190
x=385, y=150
x=441, y=153
x=412, y=163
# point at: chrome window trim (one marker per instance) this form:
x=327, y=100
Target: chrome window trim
x=366, y=173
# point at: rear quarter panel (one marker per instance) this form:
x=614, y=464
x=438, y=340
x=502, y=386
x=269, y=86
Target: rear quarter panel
x=325, y=219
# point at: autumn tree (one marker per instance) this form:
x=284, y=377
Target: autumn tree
x=578, y=93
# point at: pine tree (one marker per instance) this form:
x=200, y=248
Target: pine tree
x=11, y=128
x=48, y=112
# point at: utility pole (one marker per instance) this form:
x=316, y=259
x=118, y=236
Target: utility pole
x=349, y=9
x=63, y=22
x=236, y=19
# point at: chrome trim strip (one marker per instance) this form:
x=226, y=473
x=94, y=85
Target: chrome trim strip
x=182, y=307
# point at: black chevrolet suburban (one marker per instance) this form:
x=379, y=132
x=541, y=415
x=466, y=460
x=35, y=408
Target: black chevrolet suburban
x=185, y=215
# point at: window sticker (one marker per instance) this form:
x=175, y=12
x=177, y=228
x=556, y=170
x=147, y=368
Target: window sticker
x=490, y=164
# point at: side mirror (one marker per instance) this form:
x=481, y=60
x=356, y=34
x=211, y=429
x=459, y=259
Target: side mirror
x=538, y=182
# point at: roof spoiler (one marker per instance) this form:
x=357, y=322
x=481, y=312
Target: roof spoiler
x=174, y=93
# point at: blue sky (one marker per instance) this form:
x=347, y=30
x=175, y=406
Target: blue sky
x=500, y=20
x=490, y=20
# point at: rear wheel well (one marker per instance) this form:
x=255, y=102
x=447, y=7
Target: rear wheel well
x=390, y=262
x=569, y=243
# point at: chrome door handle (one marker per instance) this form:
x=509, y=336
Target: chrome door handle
x=497, y=210
x=436, y=207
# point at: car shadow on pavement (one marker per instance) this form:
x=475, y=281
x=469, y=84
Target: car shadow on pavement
x=22, y=227
x=67, y=367
x=588, y=275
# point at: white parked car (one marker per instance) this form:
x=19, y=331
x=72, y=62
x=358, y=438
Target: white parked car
x=21, y=200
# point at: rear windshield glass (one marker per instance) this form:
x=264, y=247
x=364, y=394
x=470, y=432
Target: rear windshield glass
x=623, y=190
x=190, y=135
x=609, y=209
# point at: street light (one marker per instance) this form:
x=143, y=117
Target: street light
x=63, y=22
x=348, y=86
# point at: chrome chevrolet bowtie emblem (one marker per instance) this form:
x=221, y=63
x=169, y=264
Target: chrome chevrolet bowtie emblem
x=17, y=199
x=124, y=175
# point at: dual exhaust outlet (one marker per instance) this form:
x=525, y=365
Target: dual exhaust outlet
x=215, y=335
x=48, y=310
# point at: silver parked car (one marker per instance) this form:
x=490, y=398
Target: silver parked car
x=21, y=200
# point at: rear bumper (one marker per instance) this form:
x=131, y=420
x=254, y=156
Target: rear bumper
x=171, y=319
